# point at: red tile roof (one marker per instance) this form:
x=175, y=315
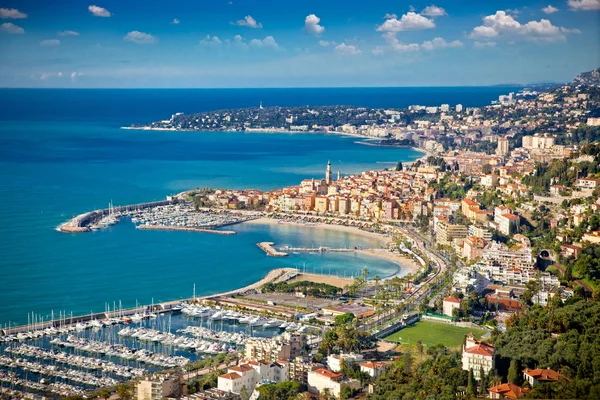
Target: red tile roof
x=372, y=365
x=452, y=299
x=509, y=390
x=544, y=375
x=231, y=376
x=327, y=373
x=241, y=368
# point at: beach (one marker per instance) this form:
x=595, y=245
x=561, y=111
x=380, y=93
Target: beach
x=403, y=262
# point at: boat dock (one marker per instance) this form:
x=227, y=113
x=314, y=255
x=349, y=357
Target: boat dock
x=320, y=249
x=268, y=248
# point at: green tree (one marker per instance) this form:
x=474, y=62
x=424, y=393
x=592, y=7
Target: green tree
x=471, y=385
x=514, y=372
x=399, y=166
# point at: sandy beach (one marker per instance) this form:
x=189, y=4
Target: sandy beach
x=402, y=261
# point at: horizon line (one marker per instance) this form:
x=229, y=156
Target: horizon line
x=274, y=87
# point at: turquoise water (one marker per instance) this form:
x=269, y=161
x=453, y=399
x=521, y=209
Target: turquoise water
x=62, y=153
x=56, y=169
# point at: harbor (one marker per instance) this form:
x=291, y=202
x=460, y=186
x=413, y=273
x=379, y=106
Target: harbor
x=172, y=214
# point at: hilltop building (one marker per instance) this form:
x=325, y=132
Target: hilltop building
x=476, y=355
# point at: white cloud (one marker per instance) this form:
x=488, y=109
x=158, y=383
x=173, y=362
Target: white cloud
x=268, y=42
x=390, y=16
x=249, y=22
x=9, y=27
x=549, y=9
x=140, y=38
x=50, y=42
x=440, y=43
x=503, y=25
x=394, y=45
x=75, y=75
x=99, y=11
x=587, y=5
x=567, y=30
x=347, y=49
x=67, y=33
x=50, y=75
x=211, y=41
x=311, y=25
x=11, y=13
x=482, y=45
x=175, y=21
x=409, y=22
x=434, y=11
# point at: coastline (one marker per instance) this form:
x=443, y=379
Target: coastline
x=404, y=263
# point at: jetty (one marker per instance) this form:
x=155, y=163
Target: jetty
x=268, y=248
x=321, y=249
x=184, y=228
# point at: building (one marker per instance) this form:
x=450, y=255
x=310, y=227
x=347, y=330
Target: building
x=334, y=361
x=445, y=232
x=507, y=391
x=247, y=375
x=588, y=183
x=321, y=379
x=593, y=237
x=538, y=142
x=158, y=387
x=458, y=108
x=502, y=148
x=508, y=224
x=328, y=174
x=449, y=304
x=477, y=355
x=473, y=248
x=284, y=347
x=536, y=376
x=373, y=368
x=593, y=121
x=300, y=367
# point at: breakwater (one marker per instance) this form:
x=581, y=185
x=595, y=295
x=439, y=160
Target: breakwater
x=268, y=248
x=184, y=228
x=82, y=222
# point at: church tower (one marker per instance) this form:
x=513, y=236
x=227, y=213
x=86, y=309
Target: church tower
x=329, y=174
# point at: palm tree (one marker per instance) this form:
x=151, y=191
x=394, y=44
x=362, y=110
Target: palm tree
x=365, y=274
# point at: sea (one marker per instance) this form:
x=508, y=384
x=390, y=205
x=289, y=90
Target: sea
x=63, y=152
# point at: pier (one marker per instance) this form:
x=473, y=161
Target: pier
x=268, y=248
x=321, y=249
x=184, y=228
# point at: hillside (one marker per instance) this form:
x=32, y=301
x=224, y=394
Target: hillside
x=590, y=78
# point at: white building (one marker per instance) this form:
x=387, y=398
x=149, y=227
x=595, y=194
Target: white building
x=459, y=108
x=334, y=361
x=476, y=355
x=321, y=379
x=248, y=375
x=449, y=304
x=373, y=368
x=157, y=387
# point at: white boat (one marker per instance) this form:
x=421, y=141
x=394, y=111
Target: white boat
x=258, y=321
x=246, y=320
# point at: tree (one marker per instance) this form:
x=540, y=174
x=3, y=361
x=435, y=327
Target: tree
x=482, y=382
x=514, y=372
x=471, y=384
x=344, y=319
x=419, y=345
x=124, y=391
x=244, y=393
x=399, y=166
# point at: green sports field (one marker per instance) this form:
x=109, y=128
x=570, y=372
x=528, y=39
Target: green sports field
x=432, y=333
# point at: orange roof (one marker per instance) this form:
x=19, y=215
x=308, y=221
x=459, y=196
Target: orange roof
x=231, y=376
x=327, y=373
x=241, y=368
x=372, y=364
x=509, y=390
x=470, y=202
x=539, y=374
x=452, y=299
x=481, y=348
x=510, y=216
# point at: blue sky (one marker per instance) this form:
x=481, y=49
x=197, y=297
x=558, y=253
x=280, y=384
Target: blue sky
x=294, y=43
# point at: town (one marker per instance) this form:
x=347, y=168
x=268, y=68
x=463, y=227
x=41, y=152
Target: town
x=500, y=220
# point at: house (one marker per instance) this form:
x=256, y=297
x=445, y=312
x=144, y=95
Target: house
x=449, y=304
x=588, y=183
x=477, y=355
x=248, y=375
x=373, y=368
x=322, y=379
x=535, y=376
x=507, y=391
x=593, y=237
x=159, y=386
x=570, y=250
x=334, y=361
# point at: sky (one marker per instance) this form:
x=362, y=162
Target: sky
x=294, y=43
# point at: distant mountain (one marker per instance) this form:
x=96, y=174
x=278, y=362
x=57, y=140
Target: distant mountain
x=591, y=78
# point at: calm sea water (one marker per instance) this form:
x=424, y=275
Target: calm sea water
x=62, y=153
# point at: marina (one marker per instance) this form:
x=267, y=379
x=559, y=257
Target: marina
x=74, y=358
